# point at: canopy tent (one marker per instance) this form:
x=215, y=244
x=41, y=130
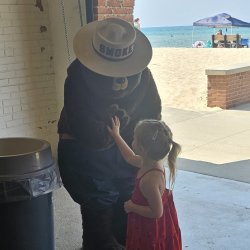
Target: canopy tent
x=220, y=21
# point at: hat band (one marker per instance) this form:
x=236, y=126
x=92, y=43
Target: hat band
x=114, y=53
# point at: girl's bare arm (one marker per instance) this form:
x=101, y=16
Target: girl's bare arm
x=151, y=192
x=125, y=150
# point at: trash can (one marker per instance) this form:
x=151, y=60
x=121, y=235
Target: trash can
x=28, y=176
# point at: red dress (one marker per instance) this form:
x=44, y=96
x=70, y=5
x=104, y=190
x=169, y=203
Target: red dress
x=153, y=234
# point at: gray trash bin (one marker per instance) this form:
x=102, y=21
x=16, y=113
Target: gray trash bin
x=28, y=176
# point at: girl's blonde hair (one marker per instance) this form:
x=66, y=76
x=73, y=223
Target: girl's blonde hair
x=156, y=139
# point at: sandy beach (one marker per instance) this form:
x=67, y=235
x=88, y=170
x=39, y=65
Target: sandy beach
x=180, y=73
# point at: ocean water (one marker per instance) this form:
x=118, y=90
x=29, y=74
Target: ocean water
x=185, y=36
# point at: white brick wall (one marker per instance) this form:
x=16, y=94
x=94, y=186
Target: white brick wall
x=28, y=105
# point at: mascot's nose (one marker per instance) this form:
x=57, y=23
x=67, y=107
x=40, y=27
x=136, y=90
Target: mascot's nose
x=120, y=83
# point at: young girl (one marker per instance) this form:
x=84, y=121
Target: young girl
x=152, y=218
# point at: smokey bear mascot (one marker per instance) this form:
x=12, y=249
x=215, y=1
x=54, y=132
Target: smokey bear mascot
x=108, y=78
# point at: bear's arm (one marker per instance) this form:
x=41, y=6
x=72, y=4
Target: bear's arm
x=150, y=106
x=81, y=117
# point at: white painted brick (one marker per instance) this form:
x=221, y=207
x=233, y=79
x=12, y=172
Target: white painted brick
x=23, y=115
x=11, y=30
x=5, y=75
x=47, y=98
x=51, y=108
x=31, y=119
x=22, y=8
x=51, y=116
x=25, y=2
x=7, y=110
x=5, y=23
x=30, y=29
x=25, y=107
x=21, y=80
x=15, y=66
x=5, y=96
x=28, y=72
x=7, y=118
x=27, y=90
x=9, y=52
x=37, y=57
x=9, y=1
x=11, y=102
x=7, y=60
x=27, y=86
x=18, y=94
x=53, y=128
x=9, y=89
x=29, y=23
x=2, y=126
x=35, y=92
x=14, y=131
x=11, y=67
x=19, y=45
x=2, y=54
x=24, y=72
x=16, y=108
x=36, y=50
x=14, y=123
x=50, y=91
x=21, y=16
x=43, y=84
x=4, y=8
x=42, y=64
x=27, y=100
x=29, y=36
x=4, y=68
x=4, y=38
x=21, y=51
x=31, y=51
x=4, y=82
x=49, y=78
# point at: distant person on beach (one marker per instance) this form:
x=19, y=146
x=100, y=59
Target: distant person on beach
x=137, y=24
x=152, y=217
x=219, y=32
x=220, y=43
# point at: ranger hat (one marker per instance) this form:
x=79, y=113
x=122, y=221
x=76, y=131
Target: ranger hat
x=112, y=47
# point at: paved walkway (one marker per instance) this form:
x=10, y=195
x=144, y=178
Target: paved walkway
x=214, y=142
x=213, y=207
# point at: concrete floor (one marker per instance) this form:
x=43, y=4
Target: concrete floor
x=212, y=189
x=214, y=214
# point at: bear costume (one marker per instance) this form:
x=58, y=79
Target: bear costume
x=108, y=78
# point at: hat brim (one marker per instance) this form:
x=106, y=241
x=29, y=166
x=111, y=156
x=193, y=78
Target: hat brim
x=132, y=65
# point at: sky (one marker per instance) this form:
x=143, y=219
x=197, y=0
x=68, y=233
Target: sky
x=183, y=12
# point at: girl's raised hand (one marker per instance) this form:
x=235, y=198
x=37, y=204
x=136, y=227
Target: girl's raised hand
x=115, y=129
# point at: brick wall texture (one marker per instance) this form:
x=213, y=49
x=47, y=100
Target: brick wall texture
x=110, y=8
x=228, y=91
x=27, y=90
